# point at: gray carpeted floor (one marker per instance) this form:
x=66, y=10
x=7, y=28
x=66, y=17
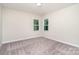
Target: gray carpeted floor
x=38, y=46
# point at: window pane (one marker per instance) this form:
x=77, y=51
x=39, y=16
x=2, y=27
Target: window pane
x=36, y=28
x=45, y=27
x=46, y=22
x=36, y=22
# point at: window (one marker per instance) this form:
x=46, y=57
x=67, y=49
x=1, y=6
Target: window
x=46, y=24
x=36, y=25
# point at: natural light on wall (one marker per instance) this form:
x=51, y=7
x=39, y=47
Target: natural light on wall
x=39, y=4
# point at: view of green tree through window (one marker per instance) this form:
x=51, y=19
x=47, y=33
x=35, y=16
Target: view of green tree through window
x=36, y=24
x=46, y=24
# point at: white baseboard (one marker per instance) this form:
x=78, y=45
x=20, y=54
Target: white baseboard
x=62, y=41
x=40, y=36
x=21, y=39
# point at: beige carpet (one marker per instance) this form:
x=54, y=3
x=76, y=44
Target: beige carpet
x=38, y=46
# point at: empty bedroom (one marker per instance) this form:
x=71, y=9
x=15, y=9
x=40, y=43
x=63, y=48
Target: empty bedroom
x=39, y=29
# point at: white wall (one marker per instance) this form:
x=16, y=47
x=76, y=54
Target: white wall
x=64, y=25
x=18, y=25
x=0, y=24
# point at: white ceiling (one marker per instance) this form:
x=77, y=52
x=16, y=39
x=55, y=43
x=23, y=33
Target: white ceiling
x=33, y=8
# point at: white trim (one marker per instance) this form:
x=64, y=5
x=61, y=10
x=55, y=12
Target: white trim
x=41, y=36
x=62, y=41
x=21, y=39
